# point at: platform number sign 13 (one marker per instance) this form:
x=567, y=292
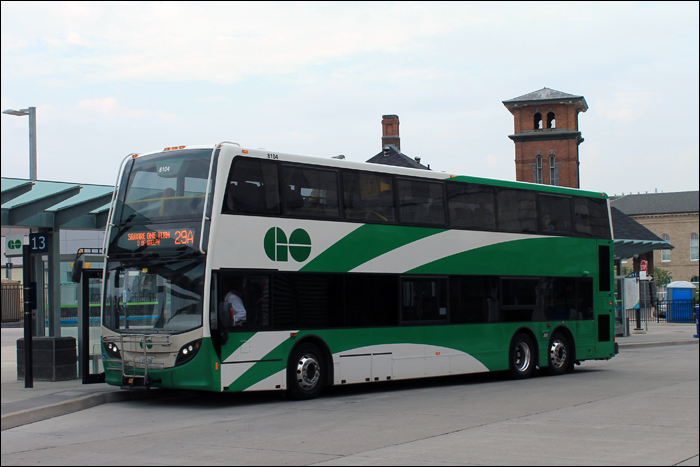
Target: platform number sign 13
x=39, y=243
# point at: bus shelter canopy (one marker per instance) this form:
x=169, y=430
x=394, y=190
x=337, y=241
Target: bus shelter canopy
x=54, y=205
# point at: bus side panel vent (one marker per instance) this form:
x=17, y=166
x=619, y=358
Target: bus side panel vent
x=604, y=328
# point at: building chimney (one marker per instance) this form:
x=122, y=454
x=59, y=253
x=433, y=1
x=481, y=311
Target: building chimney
x=390, y=131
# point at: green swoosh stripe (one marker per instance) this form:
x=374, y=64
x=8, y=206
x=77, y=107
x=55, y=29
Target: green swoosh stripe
x=364, y=244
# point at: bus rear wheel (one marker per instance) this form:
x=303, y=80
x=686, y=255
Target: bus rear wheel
x=559, y=355
x=522, y=357
x=306, y=372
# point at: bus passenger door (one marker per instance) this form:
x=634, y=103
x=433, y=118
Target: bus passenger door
x=89, y=332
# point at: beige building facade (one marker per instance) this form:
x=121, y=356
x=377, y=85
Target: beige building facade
x=673, y=217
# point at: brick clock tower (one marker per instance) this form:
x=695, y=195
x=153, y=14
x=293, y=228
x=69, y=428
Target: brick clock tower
x=547, y=137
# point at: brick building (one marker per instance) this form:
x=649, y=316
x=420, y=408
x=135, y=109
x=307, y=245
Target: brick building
x=547, y=137
x=391, y=147
x=674, y=218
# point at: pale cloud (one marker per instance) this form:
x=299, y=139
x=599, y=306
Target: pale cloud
x=109, y=107
x=194, y=41
x=625, y=107
x=106, y=107
x=72, y=38
x=491, y=160
x=12, y=43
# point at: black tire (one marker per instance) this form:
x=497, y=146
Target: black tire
x=306, y=372
x=559, y=355
x=521, y=358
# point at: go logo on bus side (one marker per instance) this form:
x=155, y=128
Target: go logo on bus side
x=278, y=248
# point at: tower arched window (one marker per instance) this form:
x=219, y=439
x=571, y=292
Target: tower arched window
x=694, y=247
x=666, y=254
x=551, y=121
x=538, y=170
x=538, y=121
x=553, y=171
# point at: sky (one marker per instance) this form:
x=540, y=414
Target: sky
x=110, y=79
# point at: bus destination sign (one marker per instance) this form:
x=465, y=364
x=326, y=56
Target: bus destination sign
x=162, y=238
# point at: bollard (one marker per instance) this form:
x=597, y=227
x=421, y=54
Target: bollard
x=627, y=326
x=697, y=326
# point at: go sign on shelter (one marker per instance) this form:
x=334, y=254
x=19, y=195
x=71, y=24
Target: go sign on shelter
x=13, y=245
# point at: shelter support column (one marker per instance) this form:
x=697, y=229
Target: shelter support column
x=40, y=324
x=55, y=285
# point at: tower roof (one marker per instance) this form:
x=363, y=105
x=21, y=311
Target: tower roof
x=546, y=95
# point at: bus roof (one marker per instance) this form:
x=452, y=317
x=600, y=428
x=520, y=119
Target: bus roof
x=344, y=163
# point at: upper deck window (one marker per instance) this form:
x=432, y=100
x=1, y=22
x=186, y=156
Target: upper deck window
x=421, y=202
x=310, y=192
x=369, y=197
x=164, y=186
x=555, y=214
x=471, y=206
x=252, y=188
x=517, y=211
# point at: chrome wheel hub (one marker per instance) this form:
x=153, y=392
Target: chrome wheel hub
x=308, y=372
x=522, y=356
x=557, y=354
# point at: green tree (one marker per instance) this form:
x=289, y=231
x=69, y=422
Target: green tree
x=662, y=278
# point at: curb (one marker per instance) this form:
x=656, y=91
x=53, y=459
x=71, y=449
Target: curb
x=37, y=414
x=638, y=345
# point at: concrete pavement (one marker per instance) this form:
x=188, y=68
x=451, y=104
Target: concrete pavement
x=46, y=400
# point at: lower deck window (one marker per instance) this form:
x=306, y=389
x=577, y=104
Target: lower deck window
x=293, y=300
x=423, y=300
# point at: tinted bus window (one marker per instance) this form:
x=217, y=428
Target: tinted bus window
x=517, y=211
x=310, y=192
x=423, y=300
x=555, y=214
x=421, y=202
x=600, y=223
x=474, y=299
x=559, y=295
x=371, y=300
x=585, y=299
x=519, y=300
x=368, y=197
x=252, y=188
x=471, y=206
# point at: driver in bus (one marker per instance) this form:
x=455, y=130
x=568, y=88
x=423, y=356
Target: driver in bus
x=238, y=311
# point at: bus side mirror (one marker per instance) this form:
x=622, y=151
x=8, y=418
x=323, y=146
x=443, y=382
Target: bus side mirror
x=77, y=272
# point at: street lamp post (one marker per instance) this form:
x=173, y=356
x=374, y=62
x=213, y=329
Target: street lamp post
x=31, y=111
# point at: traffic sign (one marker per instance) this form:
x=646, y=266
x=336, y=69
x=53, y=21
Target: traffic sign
x=643, y=266
x=13, y=245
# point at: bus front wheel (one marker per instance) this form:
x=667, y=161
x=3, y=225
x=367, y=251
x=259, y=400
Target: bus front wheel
x=306, y=372
x=522, y=357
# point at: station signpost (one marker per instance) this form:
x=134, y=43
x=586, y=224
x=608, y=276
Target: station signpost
x=39, y=244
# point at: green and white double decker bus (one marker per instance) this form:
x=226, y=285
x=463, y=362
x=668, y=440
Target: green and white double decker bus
x=232, y=269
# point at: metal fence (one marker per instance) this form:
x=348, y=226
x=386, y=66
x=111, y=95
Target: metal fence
x=663, y=311
x=12, y=302
x=676, y=311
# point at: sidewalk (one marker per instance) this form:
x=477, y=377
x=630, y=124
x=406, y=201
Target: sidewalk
x=46, y=400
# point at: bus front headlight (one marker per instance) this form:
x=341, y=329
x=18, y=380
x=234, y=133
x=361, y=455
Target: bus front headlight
x=113, y=351
x=188, y=352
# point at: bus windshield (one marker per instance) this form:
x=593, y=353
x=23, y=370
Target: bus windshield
x=154, y=295
x=162, y=186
